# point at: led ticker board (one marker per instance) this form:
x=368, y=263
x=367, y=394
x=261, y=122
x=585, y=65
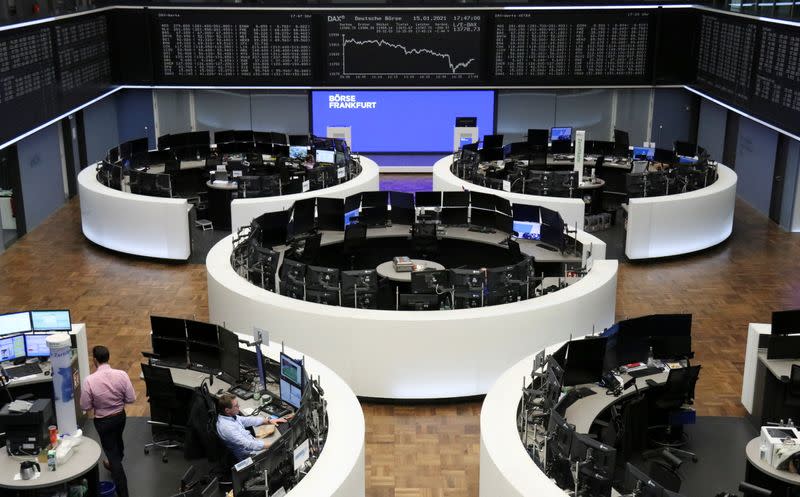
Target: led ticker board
x=230, y=47
x=572, y=47
x=428, y=47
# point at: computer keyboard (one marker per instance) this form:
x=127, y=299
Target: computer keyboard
x=644, y=372
x=24, y=370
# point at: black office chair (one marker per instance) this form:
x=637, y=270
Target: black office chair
x=677, y=392
x=791, y=394
x=355, y=236
x=165, y=409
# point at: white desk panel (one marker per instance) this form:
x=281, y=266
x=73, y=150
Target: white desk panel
x=413, y=354
x=131, y=223
x=683, y=223
x=244, y=210
x=571, y=209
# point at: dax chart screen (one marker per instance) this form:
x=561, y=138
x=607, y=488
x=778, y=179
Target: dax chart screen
x=378, y=48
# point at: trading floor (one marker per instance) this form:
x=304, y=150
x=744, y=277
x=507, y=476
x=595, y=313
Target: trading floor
x=416, y=450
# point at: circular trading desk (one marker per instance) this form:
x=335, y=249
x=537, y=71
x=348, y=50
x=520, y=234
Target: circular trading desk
x=159, y=227
x=413, y=354
x=387, y=270
x=660, y=226
x=82, y=462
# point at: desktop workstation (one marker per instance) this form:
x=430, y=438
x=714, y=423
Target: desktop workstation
x=159, y=226
x=245, y=293
x=536, y=444
x=206, y=357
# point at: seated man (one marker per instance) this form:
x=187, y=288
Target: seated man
x=232, y=428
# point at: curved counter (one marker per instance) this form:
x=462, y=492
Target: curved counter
x=340, y=469
x=571, y=209
x=244, y=210
x=133, y=224
x=412, y=354
x=684, y=222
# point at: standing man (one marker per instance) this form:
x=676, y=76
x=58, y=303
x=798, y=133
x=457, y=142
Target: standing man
x=106, y=391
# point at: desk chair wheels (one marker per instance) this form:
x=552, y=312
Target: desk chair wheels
x=164, y=444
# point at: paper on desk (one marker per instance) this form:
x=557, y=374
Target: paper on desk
x=263, y=431
x=18, y=476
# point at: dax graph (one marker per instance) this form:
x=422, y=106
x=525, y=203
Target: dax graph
x=378, y=48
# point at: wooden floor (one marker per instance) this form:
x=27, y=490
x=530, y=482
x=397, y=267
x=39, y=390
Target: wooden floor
x=425, y=451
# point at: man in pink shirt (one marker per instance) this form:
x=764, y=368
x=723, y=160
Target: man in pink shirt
x=106, y=391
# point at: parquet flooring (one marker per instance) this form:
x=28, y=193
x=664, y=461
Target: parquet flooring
x=415, y=451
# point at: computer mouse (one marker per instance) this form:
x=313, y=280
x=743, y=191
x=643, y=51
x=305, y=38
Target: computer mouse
x=47, y=373
x=220, y=391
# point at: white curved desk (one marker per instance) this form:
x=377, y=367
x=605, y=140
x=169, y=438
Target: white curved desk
x=412, y=354
x=682, y=223
x=133, y=224
x=571, y=209
x=244, y=210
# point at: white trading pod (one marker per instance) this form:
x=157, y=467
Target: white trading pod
x=64, y=399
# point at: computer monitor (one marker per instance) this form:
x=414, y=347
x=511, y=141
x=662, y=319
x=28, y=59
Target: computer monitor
x=527, y=230
x=663, y=155
x=560, y=134
x=503, y=223
x=585, y=361
x=350, y=216
x=12, y=347
x=291, y=369
x=418, y=302
x=622, y=142
x=322, y=278
x=631, y=344
x=229, y=354
x=455, y=199
x=783, y=347
x=299, y=152
x=197, y=331
x=428, y=199
x=433, y=282
x=303, y=216
x=559, y=358
x=685, y=149
x=363, y=280
x=599, y=148
x=15, y=322
x=786, y=322
x=643, y=153
x=55, y=320
x=291, y=393
x=274, y=228
x=325, y=156
x=529, y=213
x=298, y=140
x=374, y=199
x=671, y=347
x=170, y=349
x=499, y=277
x=603, y=457
x=664, y=324
x=167, y=327
x=492, y=141
x=638, y=483
x=467, y=278
x=482, y=200
x=330, y=212
x=454, y=216
x=537, y=140
x=205, y=356
x=36, y=345
x=561, y=433
x=482, y=218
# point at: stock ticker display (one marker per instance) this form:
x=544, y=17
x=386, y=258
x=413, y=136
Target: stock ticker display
x=396, y=48
x=227, y=47
x=572, y=47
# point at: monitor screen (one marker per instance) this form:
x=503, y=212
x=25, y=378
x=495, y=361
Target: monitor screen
x=374, y=199
x=428, y=199
x=643, y=153
x=329, y=213
x=51, y=320
x=166, y=327
x=303, y=216
x=685, y=149
x=229, y=354
x=585, y=361
x=197, y=331
x=430, y=281
x=36, y=345
x=560, y=134
x=482, y=217
x=455, y=199
x=274, y=230
x=170, y=350
x=327, y=156
x=426, y=117
x=291, y=394
x=299, y=152
x=786, y=322
x=17, y=322
x=492, y=141
x=205, y=355
x=349, y=215
x=12, y=348
x=291, y=369
x=527, y=230
x=482, y=200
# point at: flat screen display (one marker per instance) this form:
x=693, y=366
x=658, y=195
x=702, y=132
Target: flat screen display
x=560, y=134
x=527, y=230
x=328, y=156
x=16, y=322
x=298, y=152
x=36, y=346
x=12, y=347
x=291, y=394
x=291, y=370
x=51, y=320
x=401, y=121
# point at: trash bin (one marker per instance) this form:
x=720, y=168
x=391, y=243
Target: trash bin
x=107, y=489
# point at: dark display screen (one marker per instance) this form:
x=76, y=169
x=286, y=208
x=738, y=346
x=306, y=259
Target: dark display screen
x=377, y=48
x=545, y=47
x=230, y=47
x=725, y=56
x=84, y=63
x=776, y=87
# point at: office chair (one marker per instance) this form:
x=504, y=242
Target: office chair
x=672, y=396
x=355, y=237
x=165, y=407
x=791, y=392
